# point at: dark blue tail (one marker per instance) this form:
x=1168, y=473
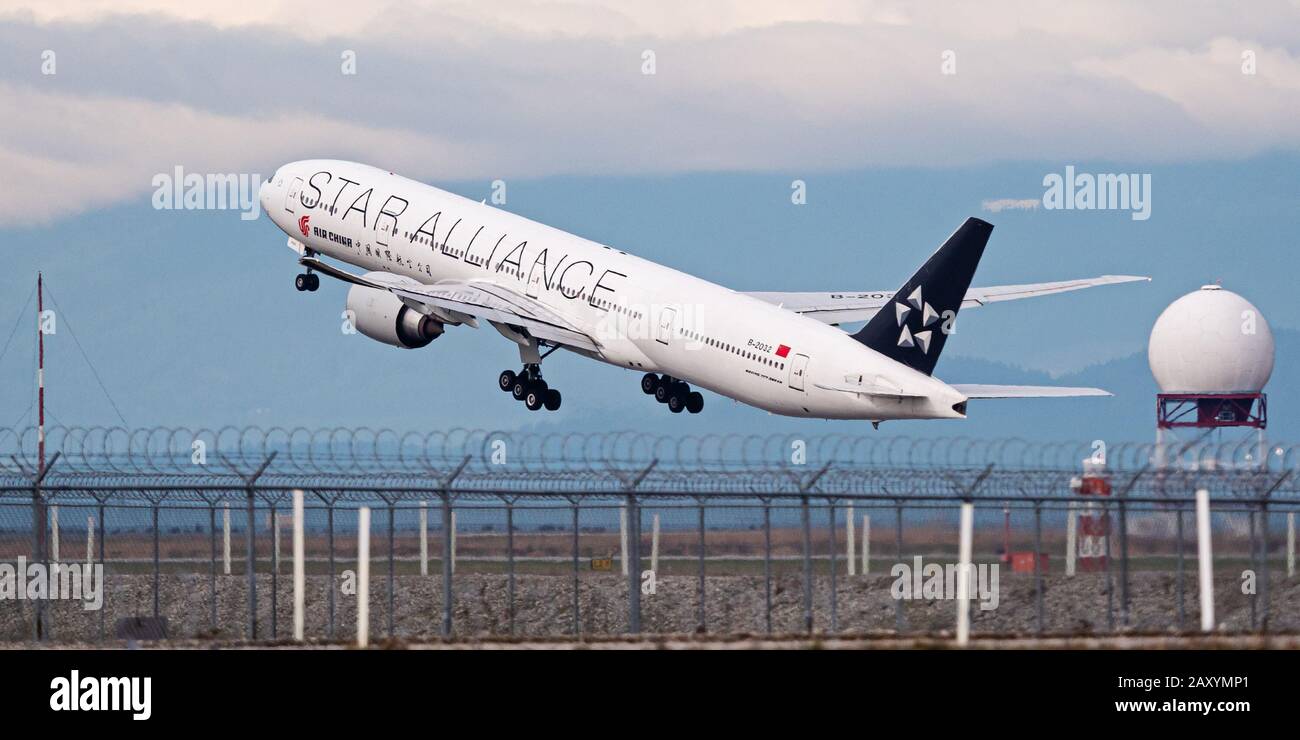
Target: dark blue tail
x=914, y=325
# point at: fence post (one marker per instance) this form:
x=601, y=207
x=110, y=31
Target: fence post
x=41, y=623
x=225, y=538
x=701, y=618
x=1254, y=564
x=1110, y=578
x=622, y=537
x=634, y=565
x=807, y=563
x=1180, y=586
x=363, y=576
x=250, y=565
x=1071, y=537
x=392, y=563
x=835, y=623
x=1290, y=544
x=446, y=564
x=449, y=547
x=155, y=558
x=212, y=566
x=1263, y=564
x=250, y=539
x=39, y=626
x=510, y=563
x=54, y=533
x=804, y=488
x=275, y=573
x=964, y=572
x=634, y=537
x=851, y=538
x=898, y=553
x=424, y=538
x=654, y=544
x=767, y=563
x=102, y=536
x=577, y=609
x=299, y=567
x=1123, y=561
x=866, y=544
x=329, y=525
x=1038, y=570
x=90, y=541
x=1205, y=559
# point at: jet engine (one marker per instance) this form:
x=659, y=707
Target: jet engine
x=383, y=317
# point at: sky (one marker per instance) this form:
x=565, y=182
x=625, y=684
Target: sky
x=677, y=131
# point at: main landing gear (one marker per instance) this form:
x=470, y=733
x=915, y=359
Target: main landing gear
x=527, y=386
x=307, y=281
x=677, y=394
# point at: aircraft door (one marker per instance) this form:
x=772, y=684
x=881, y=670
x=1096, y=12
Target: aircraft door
x=534, y=282
x=291, y=195
x=666, y=318
x=798, y=371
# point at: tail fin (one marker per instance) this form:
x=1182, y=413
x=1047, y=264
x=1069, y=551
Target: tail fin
x=913, y=327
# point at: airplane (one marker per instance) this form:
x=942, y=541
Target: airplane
x=433, y=260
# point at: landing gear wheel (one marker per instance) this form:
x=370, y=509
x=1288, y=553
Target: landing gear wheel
x=313, y=282
x=663, y=392
x=649, y=382
x=301, y=282
x=533, y=400
x=694, y=402
x=675, y=403
x=506, y=380
x=539, y=387
x=519, y=389
x=552, y=402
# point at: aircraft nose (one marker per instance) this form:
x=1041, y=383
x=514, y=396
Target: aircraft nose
x=264, y=194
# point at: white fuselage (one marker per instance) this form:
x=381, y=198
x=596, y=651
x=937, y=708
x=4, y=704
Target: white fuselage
x=644, y=316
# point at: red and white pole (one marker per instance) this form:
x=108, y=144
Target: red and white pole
x=40, y=371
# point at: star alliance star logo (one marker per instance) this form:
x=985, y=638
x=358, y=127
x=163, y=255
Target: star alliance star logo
x=928, y=316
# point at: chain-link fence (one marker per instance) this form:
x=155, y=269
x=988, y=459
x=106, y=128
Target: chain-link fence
x=526, y=539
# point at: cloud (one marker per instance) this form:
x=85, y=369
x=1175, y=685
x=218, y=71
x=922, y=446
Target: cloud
x=524, y=88
x=1011, y=204
x=69, y=154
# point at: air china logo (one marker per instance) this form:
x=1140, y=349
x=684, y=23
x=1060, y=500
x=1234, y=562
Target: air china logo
x=302, y=225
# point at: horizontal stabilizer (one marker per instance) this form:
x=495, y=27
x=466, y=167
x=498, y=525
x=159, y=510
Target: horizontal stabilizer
x=970, y=390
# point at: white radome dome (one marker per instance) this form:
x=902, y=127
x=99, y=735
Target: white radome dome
x=1202, y=344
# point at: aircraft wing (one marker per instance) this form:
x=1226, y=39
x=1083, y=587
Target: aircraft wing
x=479, y=299
x=970, y=390
x=852, y=306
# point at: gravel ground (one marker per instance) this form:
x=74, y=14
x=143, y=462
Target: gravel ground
x=734, y=605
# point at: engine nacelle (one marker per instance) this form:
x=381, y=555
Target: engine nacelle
x=383, y=317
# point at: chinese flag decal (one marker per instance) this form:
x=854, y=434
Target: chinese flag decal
x=782, y=351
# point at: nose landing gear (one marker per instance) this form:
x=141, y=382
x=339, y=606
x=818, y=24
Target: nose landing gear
x=307, y=281
x=675, y=393
x=527, y=386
